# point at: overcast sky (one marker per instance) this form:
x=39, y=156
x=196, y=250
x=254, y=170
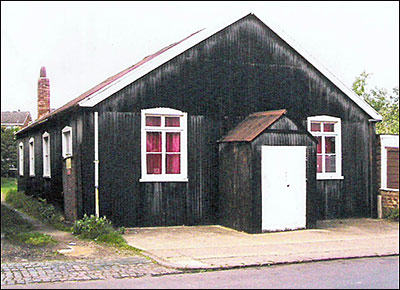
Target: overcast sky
x=83, y=43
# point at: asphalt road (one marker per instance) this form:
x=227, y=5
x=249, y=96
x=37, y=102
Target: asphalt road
x=366, y=273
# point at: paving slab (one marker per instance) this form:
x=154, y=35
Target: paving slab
x=216, y=247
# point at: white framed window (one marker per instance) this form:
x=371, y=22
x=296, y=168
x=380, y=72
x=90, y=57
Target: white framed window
x=66, y=142
x=327, y=130
x=32, y=157
x=163, y=145
x=389, y=163
x=46, y=154
x=21, y=158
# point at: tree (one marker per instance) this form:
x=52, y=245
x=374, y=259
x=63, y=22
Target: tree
x=8, y=150
x=385, y=103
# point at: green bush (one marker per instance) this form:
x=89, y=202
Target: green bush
x=392, y=214
x=91, y=227
x=101, y=230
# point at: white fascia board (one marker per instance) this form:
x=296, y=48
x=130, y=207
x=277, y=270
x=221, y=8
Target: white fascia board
x=152, y=64
x=139, y=72
x=330, y=76
x=145, y=68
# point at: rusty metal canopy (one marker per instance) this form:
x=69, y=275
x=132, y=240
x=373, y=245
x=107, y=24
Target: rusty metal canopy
x=252, y=126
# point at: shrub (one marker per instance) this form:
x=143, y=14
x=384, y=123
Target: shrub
x=91, y=227
x=101, y=230
x=392, y=214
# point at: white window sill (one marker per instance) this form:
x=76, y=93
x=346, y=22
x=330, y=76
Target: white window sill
x=46, y=176
x=329, y=177
x=163, y=179
x=389, y=189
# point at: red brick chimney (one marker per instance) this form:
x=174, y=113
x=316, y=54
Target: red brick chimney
x=43, y=93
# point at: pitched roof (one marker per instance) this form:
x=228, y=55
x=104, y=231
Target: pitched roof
x=15, y=118
x=98, y=88
x=252, y=126
x=115, y=83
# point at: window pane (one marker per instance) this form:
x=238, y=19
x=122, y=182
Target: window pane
x=173, y=164
x=153, y=142
x=153, y=163
x=319, y=146
x=67, y=136
x=173, y=142
x=329, y=127
x=153, y=121
x=330, y=163
x=46, y=145
x=330, y=145
x=172, y=121
x=319, y=163
x=315, y=127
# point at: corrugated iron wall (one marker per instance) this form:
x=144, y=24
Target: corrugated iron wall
x=129, y=202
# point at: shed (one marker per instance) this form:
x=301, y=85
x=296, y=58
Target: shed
x=267, y=174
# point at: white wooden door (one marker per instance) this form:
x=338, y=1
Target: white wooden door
x=283, y=172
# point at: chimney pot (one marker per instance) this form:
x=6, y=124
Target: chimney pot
x=43, y=72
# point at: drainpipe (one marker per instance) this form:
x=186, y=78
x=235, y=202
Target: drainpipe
x=96, y=163
x=379, y=206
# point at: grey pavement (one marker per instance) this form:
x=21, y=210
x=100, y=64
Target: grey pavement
x=216, y=247
x=180, y=249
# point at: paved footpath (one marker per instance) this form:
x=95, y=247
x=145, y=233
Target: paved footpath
x=60, y=271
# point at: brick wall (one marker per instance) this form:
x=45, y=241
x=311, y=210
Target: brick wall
x=390, y=199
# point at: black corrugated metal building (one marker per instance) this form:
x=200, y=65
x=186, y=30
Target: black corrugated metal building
x=142, y=147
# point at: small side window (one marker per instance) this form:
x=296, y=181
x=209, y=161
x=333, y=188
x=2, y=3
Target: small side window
x=32, y=157
x=67, y=142
x=21, y=158
x=46, y=154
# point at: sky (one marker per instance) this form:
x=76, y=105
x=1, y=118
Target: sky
x=83, y=43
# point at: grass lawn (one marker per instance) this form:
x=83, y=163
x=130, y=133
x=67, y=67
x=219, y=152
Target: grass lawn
x=13, y=225
x=7, y=184
x=93, y=228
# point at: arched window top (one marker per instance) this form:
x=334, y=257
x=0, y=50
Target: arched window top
x=324, y=118
x=162, y=111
